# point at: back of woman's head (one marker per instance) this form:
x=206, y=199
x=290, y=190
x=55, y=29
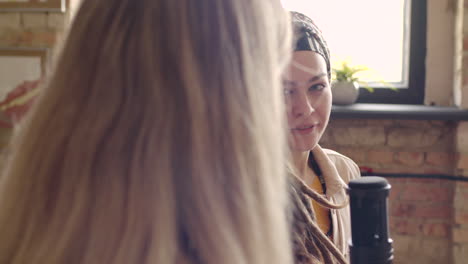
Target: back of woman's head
x=158, y=139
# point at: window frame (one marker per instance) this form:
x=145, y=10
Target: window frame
x=414, y=93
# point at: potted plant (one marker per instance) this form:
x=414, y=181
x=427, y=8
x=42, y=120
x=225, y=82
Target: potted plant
x=345, y=85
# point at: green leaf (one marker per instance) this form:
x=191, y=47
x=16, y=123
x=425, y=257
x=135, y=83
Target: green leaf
x=346, y=73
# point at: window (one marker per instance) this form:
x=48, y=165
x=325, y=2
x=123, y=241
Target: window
x=387, y=37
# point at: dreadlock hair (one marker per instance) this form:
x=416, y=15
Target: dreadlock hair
x=310, y=244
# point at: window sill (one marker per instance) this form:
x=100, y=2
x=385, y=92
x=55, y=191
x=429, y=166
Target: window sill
x=395, y=111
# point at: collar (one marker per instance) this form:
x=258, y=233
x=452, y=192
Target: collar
x=332, y=178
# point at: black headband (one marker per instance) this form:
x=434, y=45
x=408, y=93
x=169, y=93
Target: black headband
x=309, y=37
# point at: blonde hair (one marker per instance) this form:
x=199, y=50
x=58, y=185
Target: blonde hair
x=158, y=139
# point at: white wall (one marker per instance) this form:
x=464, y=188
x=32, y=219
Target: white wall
x=440, y=52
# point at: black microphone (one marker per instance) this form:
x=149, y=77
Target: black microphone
x=370, y=242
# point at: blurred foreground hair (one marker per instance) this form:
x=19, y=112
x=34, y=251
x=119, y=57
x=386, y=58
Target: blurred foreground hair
x=157, y=139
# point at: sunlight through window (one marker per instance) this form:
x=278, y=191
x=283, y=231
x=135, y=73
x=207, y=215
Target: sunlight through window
x=369, y=33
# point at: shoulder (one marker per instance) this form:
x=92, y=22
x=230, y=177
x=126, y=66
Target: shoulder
x=345, y=166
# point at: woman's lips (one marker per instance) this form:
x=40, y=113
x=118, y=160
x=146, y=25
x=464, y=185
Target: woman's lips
x=303, y=130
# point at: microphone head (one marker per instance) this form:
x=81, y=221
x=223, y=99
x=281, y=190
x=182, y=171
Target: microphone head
x=370, y=242
x=369, y=183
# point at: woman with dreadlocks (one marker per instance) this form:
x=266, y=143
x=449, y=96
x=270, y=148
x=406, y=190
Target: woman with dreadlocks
x=321, y=224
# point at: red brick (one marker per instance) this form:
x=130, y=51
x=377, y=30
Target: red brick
x=443, y=159
x=465, y=67
x=462, y=161
x=404, y=137
x=464, y=173
x=397, y=181
x=380, y=122
x=461, y=217
x=441, y=211
x=465, y=43
x=394, y=194
x=413, y=227
x=402, y=209
x=405, y=227
x=460, y=200
x=462, y=185
x=348, y=122
x=420, y=192
x=56, y=20
x=385, y=157
x=34, y=20
x=412, y=159
x=465, y=77
x=439, y=170
x=422, y=169
x=460, y=235
x=431, y=251
x=436, y=229
x=356, y=154
x=420, y=180
x=401, y=245
x=359, y=136
x=461, y=137
x=459, y=253
x=420, y=210
x=325, y=141
x=43, y=38
x=397, y=187
x=419, y=124
x=417, y=138
x=400, y=170
x=396, y=191
x=46, y=38
x=432, y=182
x=440, y=123
x=10, y=20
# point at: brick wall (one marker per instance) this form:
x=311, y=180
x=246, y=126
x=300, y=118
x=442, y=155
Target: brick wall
x=395, y=146
x=421, y=220
x=32, y=30
x=428, y=217
x=28, y=30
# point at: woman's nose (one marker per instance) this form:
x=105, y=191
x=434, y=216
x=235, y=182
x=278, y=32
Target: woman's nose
x=302, y=106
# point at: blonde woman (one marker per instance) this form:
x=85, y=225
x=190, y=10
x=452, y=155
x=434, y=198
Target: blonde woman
x=155, y=140
x=321, y=230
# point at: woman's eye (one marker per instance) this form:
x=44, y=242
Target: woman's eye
x=287, y=91
x=317, y=87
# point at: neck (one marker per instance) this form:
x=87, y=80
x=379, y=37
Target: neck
x=300, y=162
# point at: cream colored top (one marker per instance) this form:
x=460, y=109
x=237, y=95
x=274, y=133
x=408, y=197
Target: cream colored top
x=337, y=171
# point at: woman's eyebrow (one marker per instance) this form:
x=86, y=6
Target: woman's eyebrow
x=316, y=77
x=313, y=79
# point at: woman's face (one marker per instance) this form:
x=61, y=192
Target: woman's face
x=308, y=99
